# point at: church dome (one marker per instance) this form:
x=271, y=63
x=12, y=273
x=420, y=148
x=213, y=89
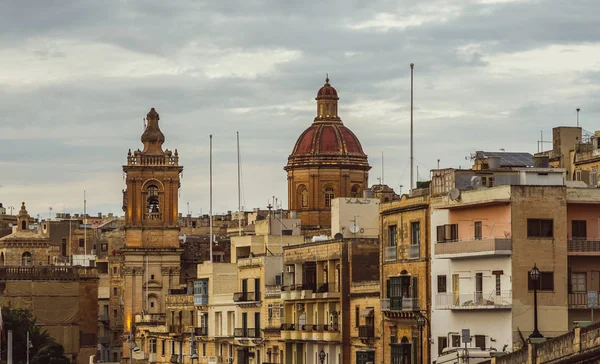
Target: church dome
x=327, y=141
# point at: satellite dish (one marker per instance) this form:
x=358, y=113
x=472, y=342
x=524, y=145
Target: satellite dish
x=476, y=182
x=354, y=228
x=338, y=236
x=454, y=194
x=10, y=225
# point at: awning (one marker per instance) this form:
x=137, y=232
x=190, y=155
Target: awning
x=367, y=312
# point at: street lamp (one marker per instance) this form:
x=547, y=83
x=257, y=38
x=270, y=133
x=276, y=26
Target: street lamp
x=132, y=347
x=421, y=320
x=322, y=356
x=534, y=274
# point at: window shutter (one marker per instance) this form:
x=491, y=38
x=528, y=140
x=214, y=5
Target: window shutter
x=440, y=234
x=415, y=291
x=388, y=288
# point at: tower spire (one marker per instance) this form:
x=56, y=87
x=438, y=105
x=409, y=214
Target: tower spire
x=153, y=138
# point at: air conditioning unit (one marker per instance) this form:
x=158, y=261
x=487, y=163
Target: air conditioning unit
x=290, y=269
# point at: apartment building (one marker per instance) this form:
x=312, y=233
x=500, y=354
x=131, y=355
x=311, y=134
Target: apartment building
x=485, y=240
x=405, y=281
x=316, y=298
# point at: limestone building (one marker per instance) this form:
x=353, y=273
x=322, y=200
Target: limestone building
x=327, y=162
x=151, y=255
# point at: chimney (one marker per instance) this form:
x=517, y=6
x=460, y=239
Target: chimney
x=367, y=193
x=493, y=162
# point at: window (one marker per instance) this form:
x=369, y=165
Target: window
x=392, y=235
x=115, y=270
x=401, y=287
x=540, y=228
x=153, y=346
x=152, y=202
x=579, y=229
x=115, y=291
x=498, y=285
x=578, y=282
x=151, y=276
x=82, y=243
x=63, y=247
x=270, y=311
x=115, y=314
x=27, y=259
x=545, y=282
x=415, y=233
x=447, y=233
x=281, y=312
x=478, y=230
x=104, y=247
x=356, y=315
x=203, y=349
x=455, y=341
x=594, y=177
x=442, y=344
x=162, y=350
x=152, y=304
x=354, y=191
x=329, y=195
x=480, y=341
x=441, y=284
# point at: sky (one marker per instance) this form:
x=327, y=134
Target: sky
x=78, y=77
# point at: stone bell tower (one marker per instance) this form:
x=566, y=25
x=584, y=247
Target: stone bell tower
x=151, y=256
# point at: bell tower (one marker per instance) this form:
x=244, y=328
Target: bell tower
x=151, y=255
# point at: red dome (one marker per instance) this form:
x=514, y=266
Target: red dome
x=334, y=138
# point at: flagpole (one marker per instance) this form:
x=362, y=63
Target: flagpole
x=84, y=230
x=211, y=198
x=239, y=188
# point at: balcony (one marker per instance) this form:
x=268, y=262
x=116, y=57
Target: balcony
x=103, y=318
x=175, y=329
x=399, y=304
x=153, y=216
x=246, y=332
x=366, y=331
x=103, y=340
x=412, y=251
x=473, y=248
x=286, y=331
x=578, y=300
x=390, y=253
x=179, y=300
x=474, y=301
x=200, y=299
x=584, y=247
x=201, y=331
x=241, y=297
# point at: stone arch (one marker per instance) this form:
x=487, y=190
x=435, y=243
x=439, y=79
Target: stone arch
x=27, y=259
x=153, y=195
x=23, y=225
x=355, y=191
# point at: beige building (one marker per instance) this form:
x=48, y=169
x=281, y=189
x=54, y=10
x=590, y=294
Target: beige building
x=316, y=297
x=366, y=334
x=405, y=278
x=327, y=162
x=356, y=217
x=62, y=299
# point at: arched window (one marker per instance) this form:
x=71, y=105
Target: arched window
x=26, y=259
x=152, y=202
x=354, y=191
x=23, y=225
x=302, y=197
x=329, y=195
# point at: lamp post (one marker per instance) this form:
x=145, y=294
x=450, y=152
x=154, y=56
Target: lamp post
x=132, y=347
x=534, y=274
x=193, y=352
x=421, y=322
x=322, y=356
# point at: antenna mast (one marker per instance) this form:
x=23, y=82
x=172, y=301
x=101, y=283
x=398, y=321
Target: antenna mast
x=211, y=212
x=578, y=109
x=382, y=169
x=84, y=228
x=239, y=187
x=412, y=66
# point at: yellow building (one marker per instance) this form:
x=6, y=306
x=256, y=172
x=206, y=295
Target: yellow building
x=327, y=162
x=405, y=278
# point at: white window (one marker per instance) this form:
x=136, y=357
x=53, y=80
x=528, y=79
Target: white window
x=578, y=282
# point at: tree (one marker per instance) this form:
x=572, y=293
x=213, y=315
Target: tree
x=21, y=321
x=51, y=353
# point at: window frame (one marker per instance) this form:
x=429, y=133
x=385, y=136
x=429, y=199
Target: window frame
x=393, y=235
x=415, y=236
x=442, y=281
x=535, y=228
x=545, y=283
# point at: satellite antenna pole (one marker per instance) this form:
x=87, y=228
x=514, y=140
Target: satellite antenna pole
x=382, y=169
x=239, y=186
x=84, y=228
x=578, y=109
x=412, y=66
x=211, y=196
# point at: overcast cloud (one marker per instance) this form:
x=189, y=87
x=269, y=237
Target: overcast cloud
x=77, y=77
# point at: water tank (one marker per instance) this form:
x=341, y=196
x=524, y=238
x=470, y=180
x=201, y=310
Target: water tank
x=319, y=238
x=368, y=193
x=541, y=161
x=493, y=162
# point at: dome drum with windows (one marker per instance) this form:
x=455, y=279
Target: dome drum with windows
x=327, y=161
